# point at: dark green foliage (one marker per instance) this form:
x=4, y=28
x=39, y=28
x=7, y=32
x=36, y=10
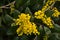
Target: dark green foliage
x=8, y=32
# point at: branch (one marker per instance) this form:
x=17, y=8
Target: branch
x=5, y=6
x=35, y=38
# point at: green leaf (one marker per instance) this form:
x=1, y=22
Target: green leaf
x=32, y=2
x=15, y=14
x=54, y=36
x=42, y=32
x=16, y=38
x=57, y=36
x=49, y=13
x=20, y=3
x=56, y=20
x=7, y=19
x=47, y=30
x=11, y=30
x=27, y=3
x=27, y=10
x=36, y=7
x=24, y=37
x=56, y=28
x=40, y=28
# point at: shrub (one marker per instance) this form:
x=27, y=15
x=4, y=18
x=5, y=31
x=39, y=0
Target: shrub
x=29, y=20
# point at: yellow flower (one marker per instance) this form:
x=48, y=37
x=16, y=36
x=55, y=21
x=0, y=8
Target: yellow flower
x=25, y=26
x=47, y=5
x=20, y=34
x=46, y=20
x=49, y=19
x=56, y=12
x=19, y=30
x=39, y=14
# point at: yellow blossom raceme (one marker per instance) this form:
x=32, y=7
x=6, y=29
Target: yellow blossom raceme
x=50, y=2
x=34, y=29
x=39, y=14
x=56, y=12
x=47, y=5
x=22, y=17
x=46, y=20
x=25, y=26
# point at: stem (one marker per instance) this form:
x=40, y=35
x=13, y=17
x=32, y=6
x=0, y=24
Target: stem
x=5, y=6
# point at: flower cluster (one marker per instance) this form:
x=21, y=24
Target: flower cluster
x=44, y=18
x=48, y=22
x=56, y=12
x=47, y=5
x=25, y=26
x=39, y=14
